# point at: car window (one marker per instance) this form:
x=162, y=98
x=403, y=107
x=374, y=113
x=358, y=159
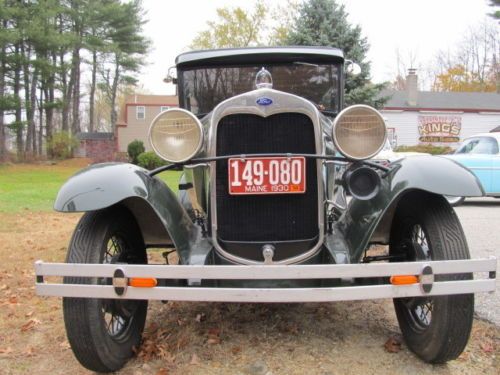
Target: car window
x=203, y=88
x=479, y=145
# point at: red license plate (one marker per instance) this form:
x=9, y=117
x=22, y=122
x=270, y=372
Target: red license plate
x=269, y=175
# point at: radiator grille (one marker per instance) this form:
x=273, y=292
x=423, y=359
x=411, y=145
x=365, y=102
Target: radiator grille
x=270, y=218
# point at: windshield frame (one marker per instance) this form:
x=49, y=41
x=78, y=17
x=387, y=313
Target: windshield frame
x=299, y=61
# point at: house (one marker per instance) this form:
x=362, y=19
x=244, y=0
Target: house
x=439, y=118
x=136, y=116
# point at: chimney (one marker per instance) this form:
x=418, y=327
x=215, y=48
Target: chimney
x=412, y=87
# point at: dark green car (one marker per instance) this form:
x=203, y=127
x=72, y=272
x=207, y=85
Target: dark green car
x=268, y=152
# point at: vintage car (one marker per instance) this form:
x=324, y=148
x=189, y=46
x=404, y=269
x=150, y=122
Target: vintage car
x=259, y=216
x=481, y=155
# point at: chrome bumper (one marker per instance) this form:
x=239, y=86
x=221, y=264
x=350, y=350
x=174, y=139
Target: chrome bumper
x=120, y=274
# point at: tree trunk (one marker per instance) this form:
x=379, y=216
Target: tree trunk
x=40, y=123
x=114, y=89
x=92, y=92
x=31, y=118
x=67, y=91
x=75, y=73
x=3, y=146
x=50, y=99
x=28, y=105
x=18, y=112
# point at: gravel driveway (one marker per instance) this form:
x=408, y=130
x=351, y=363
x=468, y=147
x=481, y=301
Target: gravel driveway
x=480, y=219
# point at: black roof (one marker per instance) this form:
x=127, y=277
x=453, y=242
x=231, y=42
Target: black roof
x=258, y=55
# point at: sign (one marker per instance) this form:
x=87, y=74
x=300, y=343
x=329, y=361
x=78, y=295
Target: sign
x=439, y=129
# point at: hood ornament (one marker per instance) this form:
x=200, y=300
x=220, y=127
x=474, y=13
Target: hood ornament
x=263, y=79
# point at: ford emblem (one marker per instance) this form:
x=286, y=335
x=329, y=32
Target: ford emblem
x=264, y=101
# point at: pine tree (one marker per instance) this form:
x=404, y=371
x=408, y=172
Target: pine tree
x=324, y=23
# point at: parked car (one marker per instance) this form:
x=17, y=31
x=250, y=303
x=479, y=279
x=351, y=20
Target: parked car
x=481, y=155
x=257, y=217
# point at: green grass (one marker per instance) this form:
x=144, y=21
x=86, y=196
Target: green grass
x=34, y=186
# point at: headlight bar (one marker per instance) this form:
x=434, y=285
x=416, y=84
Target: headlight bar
x=246, y=156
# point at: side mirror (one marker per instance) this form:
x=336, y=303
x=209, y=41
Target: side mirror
x=171, y=76
x=352, y=68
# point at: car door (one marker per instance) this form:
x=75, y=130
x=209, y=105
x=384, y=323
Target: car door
x=477, y=154
x=495, y=173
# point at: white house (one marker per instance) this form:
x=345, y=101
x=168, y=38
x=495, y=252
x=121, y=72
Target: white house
x=440, y=118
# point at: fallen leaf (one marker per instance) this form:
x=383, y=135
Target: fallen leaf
x=214, y=331
x=194, y=360
x=487, y=347
x=162, y=371
x=6, y=351
x=29, y=314
x=213, y=340
x=235, y=350
x=393, y=345
x=32, y=323
x=12, y=300
x=29, y=351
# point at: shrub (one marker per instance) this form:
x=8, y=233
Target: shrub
x=429, y=149
x=150, y=160
x=61, y=145
x=134, y=149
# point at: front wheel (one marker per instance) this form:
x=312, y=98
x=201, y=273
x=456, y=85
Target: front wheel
x=435, y=328
x=103, y=334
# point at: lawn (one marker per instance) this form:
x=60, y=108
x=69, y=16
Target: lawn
x=34, y=186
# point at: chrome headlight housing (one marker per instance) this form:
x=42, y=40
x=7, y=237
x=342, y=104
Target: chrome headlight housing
x=176, y=135
x=359, y=132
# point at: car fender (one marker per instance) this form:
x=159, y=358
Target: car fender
x=370, y=221
x=159, y=214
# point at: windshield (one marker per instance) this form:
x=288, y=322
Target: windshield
x=203, y=88
x=479, y=145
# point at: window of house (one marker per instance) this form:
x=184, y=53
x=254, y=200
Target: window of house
x=140, y=112
x=163, y=108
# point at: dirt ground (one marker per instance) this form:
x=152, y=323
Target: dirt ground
x=203, y=338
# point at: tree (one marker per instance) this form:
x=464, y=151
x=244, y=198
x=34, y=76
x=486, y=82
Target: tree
x=474, y=65
x=324, y=23
x=238, y=27
x=458, y=79
x=234, y=27
x=126, y=50
x=496, y=13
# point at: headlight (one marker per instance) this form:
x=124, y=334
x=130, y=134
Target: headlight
x=359, y=132
x=176, y=135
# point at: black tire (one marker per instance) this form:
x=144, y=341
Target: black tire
x=437, y=328
x=454, y=201
x=103, y=334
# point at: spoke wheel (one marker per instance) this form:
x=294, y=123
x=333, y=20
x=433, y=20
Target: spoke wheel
x=435, y=328
x=102, y=333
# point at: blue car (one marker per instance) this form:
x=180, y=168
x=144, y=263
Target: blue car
x=481, y=155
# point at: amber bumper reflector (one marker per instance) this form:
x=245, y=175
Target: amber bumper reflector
x=143, y=282
x=404, y=279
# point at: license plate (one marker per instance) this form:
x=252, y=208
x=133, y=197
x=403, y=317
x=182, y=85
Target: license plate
x=269, y=175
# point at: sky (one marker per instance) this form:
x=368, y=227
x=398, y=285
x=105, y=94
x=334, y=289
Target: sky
x=419, y=28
